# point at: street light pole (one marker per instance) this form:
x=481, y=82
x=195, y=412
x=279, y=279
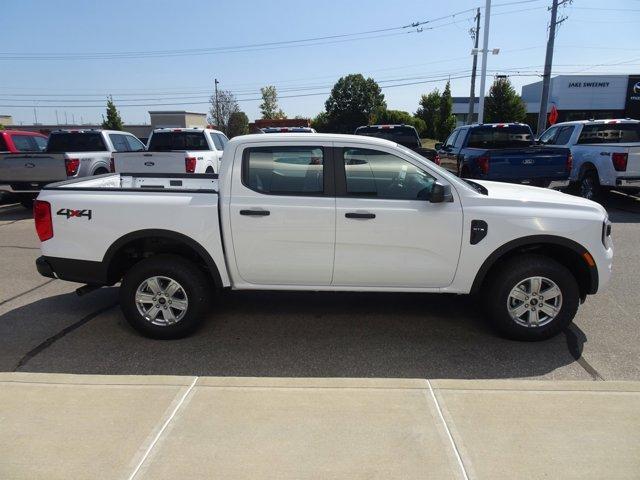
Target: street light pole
x=548, y=61
x=485, y=52
x=215, y=86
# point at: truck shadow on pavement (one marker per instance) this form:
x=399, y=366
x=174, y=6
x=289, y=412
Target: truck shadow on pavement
x=283, y=334
x=12, y=213
x=622, y=208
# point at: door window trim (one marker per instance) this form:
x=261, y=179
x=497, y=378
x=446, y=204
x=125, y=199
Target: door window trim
x=328, y=176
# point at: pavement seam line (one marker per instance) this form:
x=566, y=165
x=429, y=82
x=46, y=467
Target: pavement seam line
x=446, y=427
x=162, y=429
x=27, y=291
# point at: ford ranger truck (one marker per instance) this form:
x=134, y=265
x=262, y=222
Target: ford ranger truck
x=324, y=212
x=504, y=152
x=606, y=154
x=176, y=150
x=68, y=154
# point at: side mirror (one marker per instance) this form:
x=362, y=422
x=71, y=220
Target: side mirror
x=438, y=146
x=441, y=193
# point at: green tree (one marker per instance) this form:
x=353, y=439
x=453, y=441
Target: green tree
x=446, y=120
x=220, y=116
x=269, y=106
x=353, y=102
x=321, y=122
x=238, y=124
x=503, y=104
x=113, y=120
x=428, y=112
x=399, y=117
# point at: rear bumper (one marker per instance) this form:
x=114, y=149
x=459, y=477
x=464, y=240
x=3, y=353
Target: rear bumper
x=80, y=271
x=628, y=182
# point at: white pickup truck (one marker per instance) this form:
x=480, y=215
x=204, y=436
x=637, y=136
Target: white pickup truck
x=176, y=150
x=324, y=212
x=606, y=154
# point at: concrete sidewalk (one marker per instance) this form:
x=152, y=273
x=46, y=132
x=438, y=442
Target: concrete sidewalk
x=146, y=427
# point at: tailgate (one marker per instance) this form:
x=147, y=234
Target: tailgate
x=531, y=163
x=150, y=162
x=633, y=162
x=32, y=168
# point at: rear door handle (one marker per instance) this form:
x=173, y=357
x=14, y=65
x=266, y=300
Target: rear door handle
x=360, y=215
x=255, y=213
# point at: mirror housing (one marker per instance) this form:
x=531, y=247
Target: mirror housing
x=440, y=193
x=438, y=146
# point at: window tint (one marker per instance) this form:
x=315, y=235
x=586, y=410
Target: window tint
x=119, y=142
x=76, y=142
x=216, y=141
x=223, y=139
x=404, y=135
x=167, y=141
x=549, y=136
x=284, y=170
x=41, y=143
x=135, y=145
x=451, y=139
x=563, y=136
x=509, y=136
x=610, y=133
x=372, y=173
x=23, y=143
x=460, y=138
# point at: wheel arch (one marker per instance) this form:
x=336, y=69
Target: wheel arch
x=565, y=251
x=135, y=246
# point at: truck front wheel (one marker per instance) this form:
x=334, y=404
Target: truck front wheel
x=164, y=296
x=531, y=297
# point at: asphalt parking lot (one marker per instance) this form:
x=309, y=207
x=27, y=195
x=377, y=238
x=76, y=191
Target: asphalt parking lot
x=45, y=327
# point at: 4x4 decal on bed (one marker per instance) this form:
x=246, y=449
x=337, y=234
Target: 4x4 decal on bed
x=69, y=213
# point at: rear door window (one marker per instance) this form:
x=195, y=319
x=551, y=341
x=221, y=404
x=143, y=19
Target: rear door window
x=76, y=142
x=216, y=141
x=284, y=170
x=610, y=133
x=457, y=144
x=564, y=135
x=135, y=145
x=223, y=139
x=23, y=143
x=167, y=141
x=119, y=142
x=41, y=143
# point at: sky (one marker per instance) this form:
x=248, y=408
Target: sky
x=65, y=56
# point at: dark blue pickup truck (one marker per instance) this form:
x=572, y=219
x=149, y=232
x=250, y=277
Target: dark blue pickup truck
x=504, y=152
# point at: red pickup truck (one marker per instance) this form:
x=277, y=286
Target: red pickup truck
x=17, y=141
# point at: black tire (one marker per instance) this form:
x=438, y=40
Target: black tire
x=191, y=279
x=101, y=171
x=588, y=185
x=497, y=288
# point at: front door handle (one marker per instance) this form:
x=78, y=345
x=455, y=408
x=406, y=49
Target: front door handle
x=360, y=215
x=255, y=213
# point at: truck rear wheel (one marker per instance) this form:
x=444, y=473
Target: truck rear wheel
x=589, y=185
x=531, y=297
x=164, y=296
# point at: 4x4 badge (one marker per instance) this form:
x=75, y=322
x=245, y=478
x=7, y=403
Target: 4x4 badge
x=69, y=213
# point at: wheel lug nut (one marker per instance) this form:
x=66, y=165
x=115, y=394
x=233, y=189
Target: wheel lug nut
x=526, y=305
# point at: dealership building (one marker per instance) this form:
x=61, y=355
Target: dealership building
x=576, y=97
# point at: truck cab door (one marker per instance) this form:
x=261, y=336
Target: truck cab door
x=388, y=233
x=282, y=214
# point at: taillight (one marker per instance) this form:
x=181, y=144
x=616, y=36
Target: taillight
x=112, y=164
x=619, y=161
x=190, y=164
x=436, y=159
x=71, y=165
x=483, y=164
x=42, y=217
x=569, y=164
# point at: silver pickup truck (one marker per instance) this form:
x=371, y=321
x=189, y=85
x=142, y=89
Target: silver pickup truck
x=69, y=154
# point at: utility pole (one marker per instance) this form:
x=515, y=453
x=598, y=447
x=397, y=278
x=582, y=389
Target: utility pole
x=548, y=61
x=215, y=86
x=66, y=122
x=485, y=53
x=472, y=95
x=57, y=121
x=35, y=116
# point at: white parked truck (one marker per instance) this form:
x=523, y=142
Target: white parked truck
x=606, y=154
x=324, y=212
x=176, y=150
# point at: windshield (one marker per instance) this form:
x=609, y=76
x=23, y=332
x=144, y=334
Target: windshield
x=76, y=142
x=406, y=136
x=508, y=136
x=167, y=141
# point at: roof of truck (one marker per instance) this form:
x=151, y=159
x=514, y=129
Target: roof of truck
x=598, y=122
x=185, y=129
x=310, y=137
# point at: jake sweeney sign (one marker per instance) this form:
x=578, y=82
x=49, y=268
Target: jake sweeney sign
x=588, y=84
